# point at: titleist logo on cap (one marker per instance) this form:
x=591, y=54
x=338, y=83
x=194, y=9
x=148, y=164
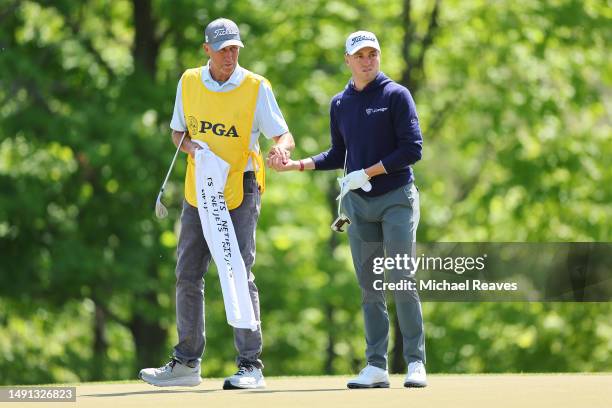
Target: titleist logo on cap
x=362, y=38
x=225, y=31
x=359, y=40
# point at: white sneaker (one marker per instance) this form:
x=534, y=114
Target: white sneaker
x=416, y=376
x=173, y=374
x=246, y=377
x=370, y=377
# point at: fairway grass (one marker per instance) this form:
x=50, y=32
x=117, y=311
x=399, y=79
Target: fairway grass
x=444, y=390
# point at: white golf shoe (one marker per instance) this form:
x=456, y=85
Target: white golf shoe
x=370, y=377
x=173, y=374
x=247, y=376
x=416, y=376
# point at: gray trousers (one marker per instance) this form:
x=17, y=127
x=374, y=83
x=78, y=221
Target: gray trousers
x=385, y=226
x=193, y=261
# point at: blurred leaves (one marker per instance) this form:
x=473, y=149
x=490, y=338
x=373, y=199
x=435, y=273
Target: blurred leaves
x=514, y=102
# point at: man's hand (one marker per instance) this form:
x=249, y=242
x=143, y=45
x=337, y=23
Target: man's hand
x=278, y=157
x=289, y=165
x=354, y=180
x=280, y=152
x=191, y=147
x=188, y=146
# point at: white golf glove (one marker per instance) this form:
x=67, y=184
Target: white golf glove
x=354, y=180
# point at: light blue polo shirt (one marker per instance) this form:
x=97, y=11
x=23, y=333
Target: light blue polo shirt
x=268, y=117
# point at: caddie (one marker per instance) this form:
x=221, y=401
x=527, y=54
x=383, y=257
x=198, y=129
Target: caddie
x=227, y=107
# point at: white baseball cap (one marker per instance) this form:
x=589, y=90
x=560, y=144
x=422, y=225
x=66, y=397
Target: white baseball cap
x=359, y=40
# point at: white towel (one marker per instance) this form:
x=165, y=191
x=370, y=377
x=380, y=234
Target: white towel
x=211, y=174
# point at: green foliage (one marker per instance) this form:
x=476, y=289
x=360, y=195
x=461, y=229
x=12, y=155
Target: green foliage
x=523, y=337
x=512, y=102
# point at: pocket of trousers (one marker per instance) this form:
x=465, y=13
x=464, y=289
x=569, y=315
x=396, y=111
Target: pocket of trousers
x=250, y=186
x=411, y=193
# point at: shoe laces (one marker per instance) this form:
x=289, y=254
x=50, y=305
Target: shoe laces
x=170, y=365
x=366, y=369
x=243, y=369
x=417, y=367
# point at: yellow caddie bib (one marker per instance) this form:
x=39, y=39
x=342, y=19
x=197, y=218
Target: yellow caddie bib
x=224, y=121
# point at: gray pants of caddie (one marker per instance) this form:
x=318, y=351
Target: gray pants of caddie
x=192, y=264
x=385, y=226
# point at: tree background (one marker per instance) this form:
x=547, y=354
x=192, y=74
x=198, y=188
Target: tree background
x=514, y=104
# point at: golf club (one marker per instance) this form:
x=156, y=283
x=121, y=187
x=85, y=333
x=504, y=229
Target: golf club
x=160, y=209
x=341, y=219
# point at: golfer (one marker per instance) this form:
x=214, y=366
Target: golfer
x=225, y=106
x=374, y=125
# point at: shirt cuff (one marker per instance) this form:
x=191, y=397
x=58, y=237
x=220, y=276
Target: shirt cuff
x=316, y=159
x=384, y=168
x=177, y=127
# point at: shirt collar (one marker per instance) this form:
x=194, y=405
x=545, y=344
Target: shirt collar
x=372, y=84
x=234, y=79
